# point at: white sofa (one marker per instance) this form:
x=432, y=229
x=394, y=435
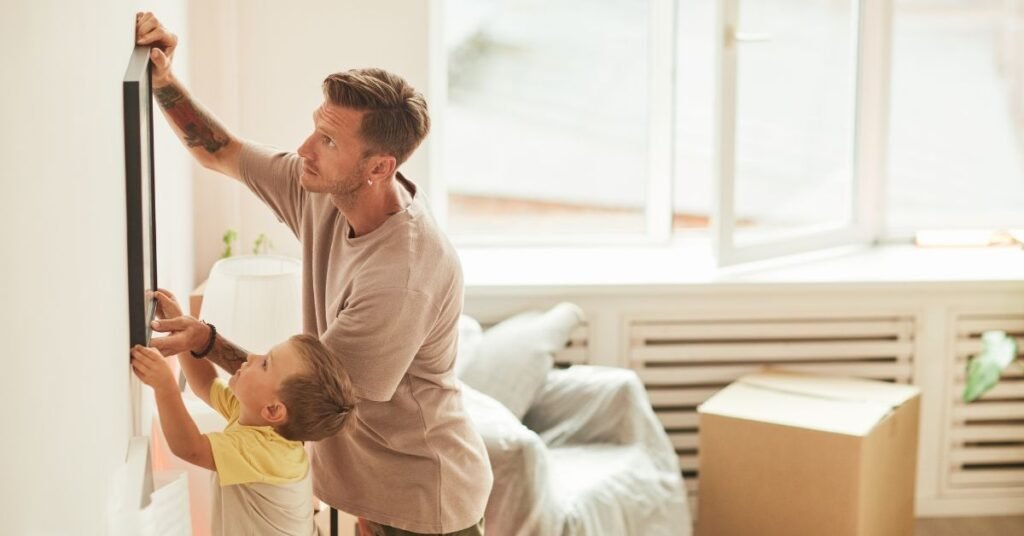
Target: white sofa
x=588, y=457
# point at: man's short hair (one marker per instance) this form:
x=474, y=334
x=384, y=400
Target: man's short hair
x=395, y=119
x=318, y=399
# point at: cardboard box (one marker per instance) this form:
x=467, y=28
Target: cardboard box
x=798, y=455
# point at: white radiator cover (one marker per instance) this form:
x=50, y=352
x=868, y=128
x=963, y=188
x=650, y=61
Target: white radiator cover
x=984, y=448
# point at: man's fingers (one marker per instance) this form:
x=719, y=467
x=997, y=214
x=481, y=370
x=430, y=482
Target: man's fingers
x=164, y=344
x=171, y=344
x=155, y=37
x=168, y=293
x=167, y=325
x=159, y=58
x=148, y=27
x=145, y=18
x=145, y=26
x=167, y=307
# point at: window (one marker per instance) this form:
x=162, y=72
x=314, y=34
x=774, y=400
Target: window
x=696, y=50
x=549, y=125
x=957, y=128
x=771, y=126
x=795, y=69
x=793, y=79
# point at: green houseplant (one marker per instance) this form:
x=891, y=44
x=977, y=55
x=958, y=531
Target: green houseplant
x=998, y=351
x=261, y=246
x=229, y=239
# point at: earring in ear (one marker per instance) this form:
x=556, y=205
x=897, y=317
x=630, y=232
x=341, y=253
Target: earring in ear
x=369, y=181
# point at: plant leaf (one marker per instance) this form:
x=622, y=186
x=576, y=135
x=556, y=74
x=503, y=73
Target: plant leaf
x=984, y=369
x=229, y=237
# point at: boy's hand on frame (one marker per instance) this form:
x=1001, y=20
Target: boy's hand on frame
x=152, y=369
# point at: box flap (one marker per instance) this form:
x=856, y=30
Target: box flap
x=838, y=405
x=851, y=389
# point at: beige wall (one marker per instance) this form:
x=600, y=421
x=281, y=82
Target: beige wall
x=258, y=65
x=65, y=376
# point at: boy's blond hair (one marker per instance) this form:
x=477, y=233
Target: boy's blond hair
x=319, y=399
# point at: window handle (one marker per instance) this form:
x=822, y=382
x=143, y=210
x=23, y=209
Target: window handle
x=733, y=36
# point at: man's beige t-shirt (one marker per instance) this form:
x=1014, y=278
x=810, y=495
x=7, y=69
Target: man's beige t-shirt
x=387, y=304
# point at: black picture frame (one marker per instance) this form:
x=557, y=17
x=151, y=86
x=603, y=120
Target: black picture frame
x=140, y=184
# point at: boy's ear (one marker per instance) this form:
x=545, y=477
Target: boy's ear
x=275, y=412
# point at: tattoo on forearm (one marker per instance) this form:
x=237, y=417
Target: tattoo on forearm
x=227, y=355
x=198, y=128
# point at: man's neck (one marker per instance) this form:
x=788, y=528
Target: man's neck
x=370, y=207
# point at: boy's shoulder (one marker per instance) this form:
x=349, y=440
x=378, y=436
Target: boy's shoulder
x=247, y=454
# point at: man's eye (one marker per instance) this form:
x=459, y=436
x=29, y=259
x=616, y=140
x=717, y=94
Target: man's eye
x=328, y=141
x=264, y=364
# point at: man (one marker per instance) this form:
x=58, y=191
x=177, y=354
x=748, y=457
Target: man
x=382, y=287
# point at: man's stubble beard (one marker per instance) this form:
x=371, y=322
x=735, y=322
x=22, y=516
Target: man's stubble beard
x=347, y=191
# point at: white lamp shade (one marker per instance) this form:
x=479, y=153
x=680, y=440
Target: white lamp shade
x=254, y=300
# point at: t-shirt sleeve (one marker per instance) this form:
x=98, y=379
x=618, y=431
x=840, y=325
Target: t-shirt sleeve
x=222, y=400
x=377, y=336
x=273, y=175
x=243, y=455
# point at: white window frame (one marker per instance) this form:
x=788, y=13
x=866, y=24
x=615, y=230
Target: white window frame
x=874, y=22
x=870, y=140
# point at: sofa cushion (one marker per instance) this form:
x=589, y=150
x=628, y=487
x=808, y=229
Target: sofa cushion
x=615, y=489
x=512, y=359
x=521, y=501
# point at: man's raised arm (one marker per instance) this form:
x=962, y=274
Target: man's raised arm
x=206, y=139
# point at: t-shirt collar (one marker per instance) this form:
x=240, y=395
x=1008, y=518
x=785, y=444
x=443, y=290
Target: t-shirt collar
x=410, y=212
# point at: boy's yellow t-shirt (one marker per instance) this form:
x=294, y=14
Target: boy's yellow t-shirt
x=246, y=454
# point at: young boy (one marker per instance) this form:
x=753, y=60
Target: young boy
x=297, y=392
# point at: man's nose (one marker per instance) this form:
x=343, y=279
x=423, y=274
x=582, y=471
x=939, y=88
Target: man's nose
x=302, y=149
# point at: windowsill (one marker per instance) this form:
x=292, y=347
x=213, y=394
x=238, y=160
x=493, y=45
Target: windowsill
x=504, y=269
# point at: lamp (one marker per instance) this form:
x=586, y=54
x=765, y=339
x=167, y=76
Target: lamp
x=254, y=300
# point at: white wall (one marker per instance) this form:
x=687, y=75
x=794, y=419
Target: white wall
x=65, y=377
x=258, y=66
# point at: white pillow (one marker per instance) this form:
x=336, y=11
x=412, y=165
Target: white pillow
x=470, y=334
x=512, y=359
